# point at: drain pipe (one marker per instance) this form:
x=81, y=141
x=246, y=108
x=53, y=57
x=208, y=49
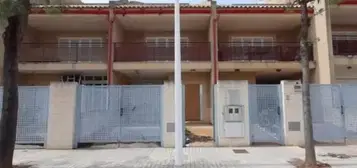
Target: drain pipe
x=215, y=61
x=111, y=19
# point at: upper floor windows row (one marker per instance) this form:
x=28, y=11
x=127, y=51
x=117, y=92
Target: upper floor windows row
x=165, y=41
x=252, y=41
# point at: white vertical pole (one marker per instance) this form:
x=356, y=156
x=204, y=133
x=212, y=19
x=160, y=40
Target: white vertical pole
x=178, y=89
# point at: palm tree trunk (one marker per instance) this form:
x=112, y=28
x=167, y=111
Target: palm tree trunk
x=310, y=157
x=10, y=92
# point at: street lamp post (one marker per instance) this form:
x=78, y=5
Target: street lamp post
x=178, y=89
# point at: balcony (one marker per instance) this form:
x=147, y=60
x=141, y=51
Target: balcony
x=345, y=45
x=60, y=53
x=259, y=52
x=138, y=52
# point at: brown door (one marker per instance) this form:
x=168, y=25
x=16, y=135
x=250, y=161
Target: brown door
x=192, y=102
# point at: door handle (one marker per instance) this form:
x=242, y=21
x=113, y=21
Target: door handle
x=121, y=111
x=278, y=110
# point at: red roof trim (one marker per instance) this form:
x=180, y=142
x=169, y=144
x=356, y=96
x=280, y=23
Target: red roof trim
x=259, y=11
x=74, y=11
x=171, y=11
x=349, y=2
x=160, y=11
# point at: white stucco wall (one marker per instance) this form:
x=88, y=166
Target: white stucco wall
x=222, y=100
x=320, y=34
x=168, y=115
x=292, y=113
x=61, y=129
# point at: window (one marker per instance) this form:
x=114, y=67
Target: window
x=252, y=41
x=340, y=38
x=85, y=79
x=94, y=80
x=344, y=43
x=344, y=35
x=165, y=41
x=80, y=49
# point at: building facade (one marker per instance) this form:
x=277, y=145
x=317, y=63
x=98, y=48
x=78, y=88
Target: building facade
x=132, y=44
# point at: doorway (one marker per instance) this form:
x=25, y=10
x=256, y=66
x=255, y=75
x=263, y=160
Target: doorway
x=192, y=102
x=198, y=129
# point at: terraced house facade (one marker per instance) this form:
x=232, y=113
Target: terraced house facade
x=123, y=43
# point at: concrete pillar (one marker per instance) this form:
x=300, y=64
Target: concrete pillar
x=320, y=34
x=61, y=129
x=231, y=93
x=293, y=118
x=168, y=115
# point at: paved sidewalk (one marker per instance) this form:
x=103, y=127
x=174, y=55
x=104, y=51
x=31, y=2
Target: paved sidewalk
x=259, y=157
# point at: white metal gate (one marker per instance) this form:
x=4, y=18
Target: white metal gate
x=265, y=114
x=130, y=113
x=349, y=110
x=327, y=113
x=32, y=114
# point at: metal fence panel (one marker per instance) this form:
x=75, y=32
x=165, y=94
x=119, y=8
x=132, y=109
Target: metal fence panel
x=32, y=114
x=99, y=114
x=326, y=108
x=120, y=114
x=349, y=93
x=141, y=113
x=265, y=115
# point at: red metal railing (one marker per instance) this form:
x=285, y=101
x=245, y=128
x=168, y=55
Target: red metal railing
x=53, y=52
x=345, y=47
x=260, y=51
x=132, y=52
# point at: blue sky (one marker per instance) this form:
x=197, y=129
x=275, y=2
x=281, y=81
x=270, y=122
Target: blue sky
x=183, y=1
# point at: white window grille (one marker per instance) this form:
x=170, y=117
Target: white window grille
x=80, y=49
x=94, y=80
x=85, y=79
x=344, y=42
x=252, y=41
x=344, y=35
x=165, y=41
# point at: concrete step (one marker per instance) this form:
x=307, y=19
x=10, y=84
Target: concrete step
x=201, y=130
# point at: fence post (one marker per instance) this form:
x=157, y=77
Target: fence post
x=293, y=117
x=168, y=115
x=227, y=93
x=61, y=129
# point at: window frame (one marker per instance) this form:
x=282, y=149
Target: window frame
x=169, y=41
x=69, y=39
x=85, y=45
x=238, y=41
x=344, y=35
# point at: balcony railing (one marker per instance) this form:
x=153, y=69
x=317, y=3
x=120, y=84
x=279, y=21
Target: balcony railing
x=259, y=51
x=54, y=52
x=345, y=45
x=135, y=52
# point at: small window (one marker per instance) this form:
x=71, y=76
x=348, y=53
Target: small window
x=252, y=41
x=165, y=41
x=80, y=49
